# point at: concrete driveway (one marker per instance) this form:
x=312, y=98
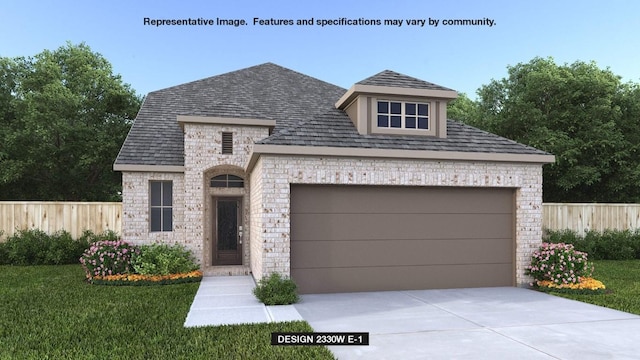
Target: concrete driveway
x=481, y=323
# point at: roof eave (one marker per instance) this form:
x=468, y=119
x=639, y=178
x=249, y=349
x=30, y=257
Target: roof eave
x=148, y=168
x=264, y=149
x=219, y=120
x=358, y=89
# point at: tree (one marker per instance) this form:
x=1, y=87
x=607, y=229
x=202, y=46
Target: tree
x=63, y=117
x=463, y=109
x=582, y=114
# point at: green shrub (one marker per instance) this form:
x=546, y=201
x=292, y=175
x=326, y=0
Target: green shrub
x=90, y=237
x=559, y=263
x=4, y=255
x=104, y=258
x=635, y=243
x=63, y=249
x=162, y=259
x=27, y=247
x=614, y=245
x=606, y=245
x=566, y=236
x=276, y=290
x=35, y=247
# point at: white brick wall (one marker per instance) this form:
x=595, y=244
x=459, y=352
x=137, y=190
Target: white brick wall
x=203, y=145
x=270, y=217
x=135, y=208
x=203, y=152
x=257, y=230
x=267, y=207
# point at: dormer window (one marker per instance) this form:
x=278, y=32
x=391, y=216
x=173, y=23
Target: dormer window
x=403, y=115
x=390, y=103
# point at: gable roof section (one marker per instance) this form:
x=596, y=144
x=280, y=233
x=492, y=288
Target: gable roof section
x=304, y=111
x=266, y=91
x=389, y=82
x=394, y=79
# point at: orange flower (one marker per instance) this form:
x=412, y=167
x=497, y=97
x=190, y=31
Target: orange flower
x=585, y=283
x=153, y=278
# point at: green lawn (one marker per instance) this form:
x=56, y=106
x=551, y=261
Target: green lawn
x=622, y=279
x=49, y=312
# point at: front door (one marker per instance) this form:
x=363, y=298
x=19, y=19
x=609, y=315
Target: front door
x=227, y=247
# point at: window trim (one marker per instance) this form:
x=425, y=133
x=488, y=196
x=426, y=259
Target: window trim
x=162, y=206
x=431, y=117
x=227, y=179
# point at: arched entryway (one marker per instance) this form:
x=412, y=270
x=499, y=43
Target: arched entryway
x=226, y=213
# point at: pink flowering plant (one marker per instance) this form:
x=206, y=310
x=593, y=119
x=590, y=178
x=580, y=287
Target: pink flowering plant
x=105, y=258
x=559, y=264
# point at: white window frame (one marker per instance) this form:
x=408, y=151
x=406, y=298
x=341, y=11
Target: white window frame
x=402, y=130
x=162, y=205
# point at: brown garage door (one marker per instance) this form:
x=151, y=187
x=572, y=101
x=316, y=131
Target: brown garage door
x=372, y=238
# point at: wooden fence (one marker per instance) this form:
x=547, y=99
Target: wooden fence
x=74, y=217
x=584, y=217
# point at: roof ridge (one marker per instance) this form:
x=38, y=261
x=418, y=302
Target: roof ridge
x=208, y=78
x=395, y=79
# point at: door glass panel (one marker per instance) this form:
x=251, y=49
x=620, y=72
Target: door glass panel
x=227, y=224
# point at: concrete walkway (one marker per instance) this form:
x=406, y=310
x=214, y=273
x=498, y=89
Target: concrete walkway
x=225, y=300
x=481, y=323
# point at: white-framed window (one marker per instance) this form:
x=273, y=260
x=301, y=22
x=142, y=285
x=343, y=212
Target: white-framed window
x=161, y=206
x=227, y=181
x=403, y=115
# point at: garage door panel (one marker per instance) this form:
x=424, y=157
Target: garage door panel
x=372, y=238
x=400, y=278
x=339, y=227
x=396, y=199
x=367, y=253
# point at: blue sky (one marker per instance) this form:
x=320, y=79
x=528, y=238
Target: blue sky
x=460, y=57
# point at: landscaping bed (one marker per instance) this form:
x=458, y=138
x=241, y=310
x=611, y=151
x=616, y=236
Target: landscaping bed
x=145, y=280
x=120, y=263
